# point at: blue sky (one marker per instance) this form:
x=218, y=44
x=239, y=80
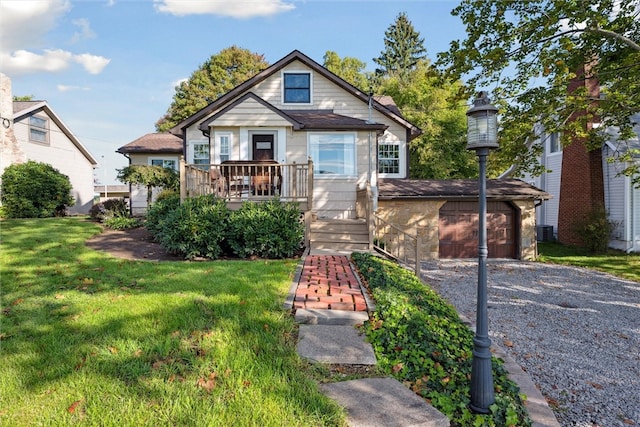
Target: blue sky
x=109, y=68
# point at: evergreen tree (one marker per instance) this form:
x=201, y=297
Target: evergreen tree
x=403, y=48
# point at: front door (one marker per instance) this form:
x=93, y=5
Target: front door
x=263, y=146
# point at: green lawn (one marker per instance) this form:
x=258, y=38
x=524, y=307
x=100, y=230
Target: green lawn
x=87, y=338
x=617, y=263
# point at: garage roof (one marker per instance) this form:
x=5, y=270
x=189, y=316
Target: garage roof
x=497, y=189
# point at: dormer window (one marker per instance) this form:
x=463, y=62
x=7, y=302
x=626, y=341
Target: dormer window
x=297, y=88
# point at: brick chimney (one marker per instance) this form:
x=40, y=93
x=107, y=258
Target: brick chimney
x=581, y=181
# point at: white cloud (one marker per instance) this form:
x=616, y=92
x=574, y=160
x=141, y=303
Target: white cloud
x=92, y=63
x=242, y=9
x=67, y=88
x=24, y=26
x=85, y=30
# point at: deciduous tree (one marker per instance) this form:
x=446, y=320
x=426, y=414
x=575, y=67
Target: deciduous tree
x=526, y=52
x=219, y=74
x=149, y=176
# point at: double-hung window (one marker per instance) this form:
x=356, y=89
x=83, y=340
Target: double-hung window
x=297, y=88
x=38, y=129
x=554, y=143
x=201, y=154
x=333, y=154
x=388, y=158
x=222, y=148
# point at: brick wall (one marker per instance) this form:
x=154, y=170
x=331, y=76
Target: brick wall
x=581, y=181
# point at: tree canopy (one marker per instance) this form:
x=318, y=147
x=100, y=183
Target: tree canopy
x=350, y=69
x=527, y=52
x=218, y=75
x=403, y=48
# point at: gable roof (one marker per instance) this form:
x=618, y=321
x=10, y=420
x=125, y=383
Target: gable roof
x=153, y=143
x=387, y=110
x=23, y=109
x=497, y=189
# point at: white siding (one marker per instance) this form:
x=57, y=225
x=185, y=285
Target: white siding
x=138, y=196
x=63, y=155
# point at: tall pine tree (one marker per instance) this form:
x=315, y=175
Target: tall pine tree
x=403, y=48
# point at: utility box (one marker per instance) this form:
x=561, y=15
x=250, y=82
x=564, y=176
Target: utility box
x=544, y=233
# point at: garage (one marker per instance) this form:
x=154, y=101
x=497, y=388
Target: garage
x=444, y=215
x=458, y=230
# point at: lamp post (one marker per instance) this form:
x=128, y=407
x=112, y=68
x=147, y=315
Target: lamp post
x=481, y=137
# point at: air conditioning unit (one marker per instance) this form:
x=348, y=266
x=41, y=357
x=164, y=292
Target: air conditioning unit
x=544, y=233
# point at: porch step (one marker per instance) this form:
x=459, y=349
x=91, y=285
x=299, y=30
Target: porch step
x=339, y=235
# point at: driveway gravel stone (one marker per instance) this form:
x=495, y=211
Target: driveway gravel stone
x=575, y=331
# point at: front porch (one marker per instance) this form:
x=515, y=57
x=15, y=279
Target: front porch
x=238, y=181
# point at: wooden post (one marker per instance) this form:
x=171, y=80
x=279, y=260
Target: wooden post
x=310, y=185
x=183, y=180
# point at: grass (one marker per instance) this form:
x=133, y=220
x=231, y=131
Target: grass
x=88, y=338
x=618, y=263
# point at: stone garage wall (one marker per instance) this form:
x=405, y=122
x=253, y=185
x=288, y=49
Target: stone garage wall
x=421, y=217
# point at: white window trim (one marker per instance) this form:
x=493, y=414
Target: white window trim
x=401, y=160
x=216, y=145
x=191, y=146
x=355, y=156
x=310, y=87
x=45, y=129
x=548, y=145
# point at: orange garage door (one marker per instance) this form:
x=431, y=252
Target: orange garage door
x=459, y=230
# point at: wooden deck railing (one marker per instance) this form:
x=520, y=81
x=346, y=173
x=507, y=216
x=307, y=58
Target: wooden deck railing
x=241, y=180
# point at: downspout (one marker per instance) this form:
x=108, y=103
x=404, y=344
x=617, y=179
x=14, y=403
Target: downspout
x=371, y=178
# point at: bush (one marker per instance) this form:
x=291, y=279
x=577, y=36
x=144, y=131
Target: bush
x=419, y=339
x=196, y=228
x=166, y=203
x=270, y=229
x=595, y=230
x=109, y=208
x=35, y=190
x=121, y=222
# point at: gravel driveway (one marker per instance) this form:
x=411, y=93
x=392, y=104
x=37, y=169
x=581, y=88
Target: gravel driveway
x=576, y=332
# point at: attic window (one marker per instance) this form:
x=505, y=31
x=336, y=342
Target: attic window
x=38, y=130
x=297, y=88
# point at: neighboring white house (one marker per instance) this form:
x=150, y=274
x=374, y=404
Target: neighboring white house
x=31, y=130
x=622, y=200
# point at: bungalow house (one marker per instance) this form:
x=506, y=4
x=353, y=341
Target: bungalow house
x=31, y=130
x=300, y=132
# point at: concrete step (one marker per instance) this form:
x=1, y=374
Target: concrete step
x=339, y=246
x=330, y=317
x=334, y=344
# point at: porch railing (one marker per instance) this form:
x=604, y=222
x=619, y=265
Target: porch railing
x=241, y=180
x=397, y=244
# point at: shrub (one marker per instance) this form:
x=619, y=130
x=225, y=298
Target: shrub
x=196, y=228
x=595, y=230
x=270, y=229
x=121, y=222
x=109, y=208
x=35, y=190
x=166, y=203
x=419, y=339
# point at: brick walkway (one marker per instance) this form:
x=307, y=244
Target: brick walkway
x=327, y=282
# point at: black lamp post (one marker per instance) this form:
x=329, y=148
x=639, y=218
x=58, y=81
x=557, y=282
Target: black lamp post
x=482, y=127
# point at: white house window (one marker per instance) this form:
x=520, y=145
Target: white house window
x=333, y=153
x=222, y=149
x=201, y=153
x=165, y=163
x=388, y=158
x=297, y=88
x=554, y=143
x=38, y=129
